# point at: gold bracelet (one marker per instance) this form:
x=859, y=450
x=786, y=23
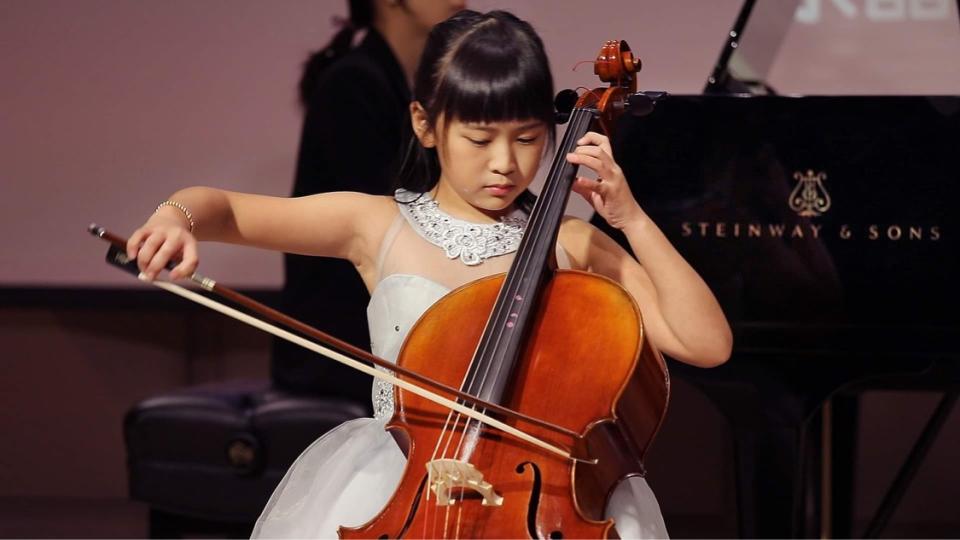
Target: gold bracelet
x=181, y=208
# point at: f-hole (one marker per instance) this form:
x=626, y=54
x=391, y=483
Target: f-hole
x=413, y=511
x=533, y=504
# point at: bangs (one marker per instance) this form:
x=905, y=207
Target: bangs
x=494, y=76
x=478, y=68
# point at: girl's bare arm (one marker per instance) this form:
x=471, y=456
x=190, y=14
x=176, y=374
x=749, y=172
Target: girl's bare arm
x=330, y=224
x=680, y=313
x=682, y=316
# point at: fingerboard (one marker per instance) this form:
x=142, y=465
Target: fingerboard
x=505, y=334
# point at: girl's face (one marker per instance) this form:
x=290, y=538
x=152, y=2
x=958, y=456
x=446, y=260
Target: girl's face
x=485, y=166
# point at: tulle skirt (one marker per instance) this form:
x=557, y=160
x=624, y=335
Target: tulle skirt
x=347, y=476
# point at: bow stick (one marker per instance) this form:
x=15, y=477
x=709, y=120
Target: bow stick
x=117, y=256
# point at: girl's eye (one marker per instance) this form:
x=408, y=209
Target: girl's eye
x=478, y=142
x=527, y=140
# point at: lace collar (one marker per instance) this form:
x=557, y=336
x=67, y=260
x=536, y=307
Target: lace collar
x=472, y=243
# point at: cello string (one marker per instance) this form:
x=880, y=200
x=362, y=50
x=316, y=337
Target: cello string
x=482, y=375
x=456, y=533
x=447, y=431
x=430, y=519
x=446, y=426
x=550, y=198
x=477, y=378
x=555, y=196
x=553, y=199
x=440, y=437
x=446, y=520
x=465, y=387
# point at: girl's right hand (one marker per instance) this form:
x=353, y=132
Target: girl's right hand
x=160, y=240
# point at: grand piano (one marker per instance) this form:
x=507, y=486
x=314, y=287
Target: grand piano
x=827, y=228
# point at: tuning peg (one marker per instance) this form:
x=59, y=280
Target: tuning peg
x=641, y=103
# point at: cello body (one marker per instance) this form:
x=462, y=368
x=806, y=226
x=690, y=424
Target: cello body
x=579, y=369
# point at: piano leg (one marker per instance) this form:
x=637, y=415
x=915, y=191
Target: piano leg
x=766, y=423
x=912, y=463
x=745, y=463
x=787, y=485
x=843, y=410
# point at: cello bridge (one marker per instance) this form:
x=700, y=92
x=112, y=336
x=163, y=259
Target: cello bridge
x=445, y=475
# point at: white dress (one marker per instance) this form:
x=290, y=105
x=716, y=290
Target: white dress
x=346, y=476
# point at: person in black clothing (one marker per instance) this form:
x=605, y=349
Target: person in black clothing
x=350, y=94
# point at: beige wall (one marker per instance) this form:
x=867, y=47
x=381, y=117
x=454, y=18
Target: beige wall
x=110, y=105
x=70, y=374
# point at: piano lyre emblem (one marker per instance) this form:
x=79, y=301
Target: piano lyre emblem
x=809, y=198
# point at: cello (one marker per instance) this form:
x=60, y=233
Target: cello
x=525, y=342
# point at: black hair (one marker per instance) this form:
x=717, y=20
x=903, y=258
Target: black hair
x=361, y=16
x=478, y=67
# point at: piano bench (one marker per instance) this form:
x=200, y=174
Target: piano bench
x=205, y=459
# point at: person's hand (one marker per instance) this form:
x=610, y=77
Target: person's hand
x=609, y=194
x=163, y=238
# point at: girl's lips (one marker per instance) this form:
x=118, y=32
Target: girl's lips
x=499, y=190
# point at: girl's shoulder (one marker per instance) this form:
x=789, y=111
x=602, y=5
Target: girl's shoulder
x=588, y=247
x=575, y=237
x=373, y=212
x=363, y=206
x=360, y=215
x=372, y=203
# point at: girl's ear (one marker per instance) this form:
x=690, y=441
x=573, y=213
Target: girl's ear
x=421, y=127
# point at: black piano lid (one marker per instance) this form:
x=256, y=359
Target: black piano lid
x=878, y=260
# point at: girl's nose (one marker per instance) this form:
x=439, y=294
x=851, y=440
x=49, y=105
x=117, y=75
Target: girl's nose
x=503, y=160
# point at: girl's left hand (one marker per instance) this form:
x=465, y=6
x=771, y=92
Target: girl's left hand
x=609, y=193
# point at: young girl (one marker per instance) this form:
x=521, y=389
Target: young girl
x=483, y=118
